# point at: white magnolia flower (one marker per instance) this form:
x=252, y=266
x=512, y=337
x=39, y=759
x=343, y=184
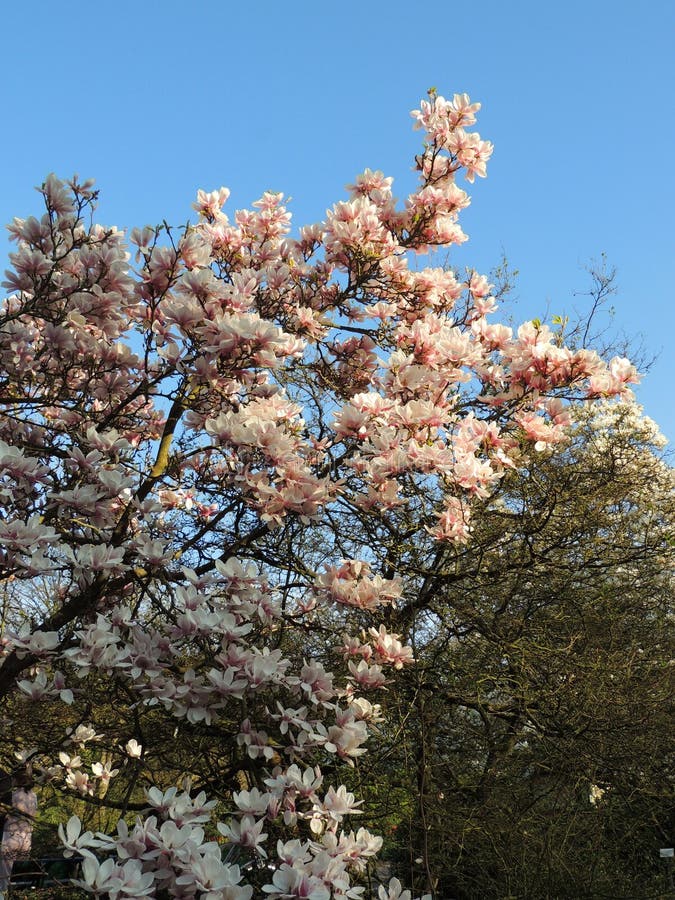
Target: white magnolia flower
x=75, y=840
x=134, y=749
x=83, y=734
x=395, y=892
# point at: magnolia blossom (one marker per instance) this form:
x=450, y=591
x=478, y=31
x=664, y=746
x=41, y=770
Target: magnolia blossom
x=246, y=832
x=394, y=891
x=133, y=749
x=110, y=879
x=389, y=648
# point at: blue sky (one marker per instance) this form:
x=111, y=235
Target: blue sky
x=157, y=99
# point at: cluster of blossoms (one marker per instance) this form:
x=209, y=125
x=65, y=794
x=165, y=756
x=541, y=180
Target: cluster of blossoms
x=204, y=453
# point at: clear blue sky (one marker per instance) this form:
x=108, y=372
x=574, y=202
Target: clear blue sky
x=157, y=99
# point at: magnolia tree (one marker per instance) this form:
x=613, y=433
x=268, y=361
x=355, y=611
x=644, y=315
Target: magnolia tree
x=228, y=457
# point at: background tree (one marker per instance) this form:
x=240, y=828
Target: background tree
x=532, y=742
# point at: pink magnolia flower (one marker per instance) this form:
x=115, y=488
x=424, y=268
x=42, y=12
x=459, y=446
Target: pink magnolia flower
x=247, y=833
x=389, y=649
x=291, y=882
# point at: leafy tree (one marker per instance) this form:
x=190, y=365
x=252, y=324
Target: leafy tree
x=232, y=472
x=534, y=733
